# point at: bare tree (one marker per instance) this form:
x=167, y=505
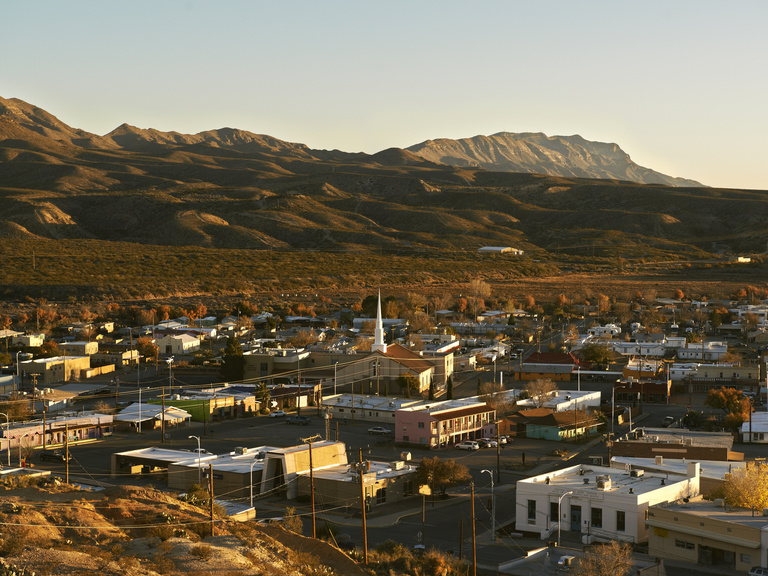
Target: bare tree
x=613, y=559
x=540, y=390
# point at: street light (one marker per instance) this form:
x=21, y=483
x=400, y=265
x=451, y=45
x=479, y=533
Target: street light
x=20, y=439
x=559, y=515
x=199, y=477
x=493, y=505
x=169, y=361
x=255, y=461
x=18, y=375
x=7, y=437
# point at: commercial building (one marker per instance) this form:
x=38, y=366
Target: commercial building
x=599, y=502
x=676, y=443
x=443, y=423
x=708, y=533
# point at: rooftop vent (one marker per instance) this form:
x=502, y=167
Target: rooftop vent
x=636, y=473
x=586, y=480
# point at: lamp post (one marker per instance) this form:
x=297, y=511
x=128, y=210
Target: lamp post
x=559, y=519
x=169, y=361
x=493, y=505
x=18, y=375
x=20, y=439
x=199, y=476
x=255, y=461
x=7, y=437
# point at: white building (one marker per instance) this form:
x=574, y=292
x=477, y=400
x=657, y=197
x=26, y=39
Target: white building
x=601, y=503
x=178, y=344
x=563, y=400
x=757, y=428
x=603, y=331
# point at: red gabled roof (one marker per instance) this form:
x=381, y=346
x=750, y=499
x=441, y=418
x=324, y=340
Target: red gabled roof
x=408, y=358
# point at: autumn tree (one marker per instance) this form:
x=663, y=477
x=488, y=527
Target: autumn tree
x=302, y=338
x=49, y=349
x=441, y=474
x=540, y=390
x=747, y=487
x=147, y=349
x=736, y=406
x=612, y=559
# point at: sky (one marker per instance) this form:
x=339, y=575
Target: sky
x=679, y=85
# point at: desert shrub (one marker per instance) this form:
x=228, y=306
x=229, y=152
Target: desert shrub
x=291, y=521
x=161, y=532
x=202, y=551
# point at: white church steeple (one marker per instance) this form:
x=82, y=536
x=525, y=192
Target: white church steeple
x=378, y=334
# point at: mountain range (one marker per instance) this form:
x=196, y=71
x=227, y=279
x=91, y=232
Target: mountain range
x=230, y=188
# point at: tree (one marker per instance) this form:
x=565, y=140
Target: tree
x=17, y=407
x=449, y=389
x=407, y=382
x=441, y=474
x=736, y=406
x=233, y=362
x=263, y=396
x=49, y=349
x=148, y=349
x=540, y=390
x=747, y=487
x=492, y=393
x=431, y=389
x=597, y=354
x=613, y=559
x=302, y=338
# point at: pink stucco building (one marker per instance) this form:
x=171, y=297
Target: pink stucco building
x=442, y=423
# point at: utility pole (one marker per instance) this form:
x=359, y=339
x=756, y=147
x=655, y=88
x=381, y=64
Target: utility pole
x=461, y=538
x=210, y=491
x=474, y=535
x=162, y=417
x=362, y=506
x=66, y=452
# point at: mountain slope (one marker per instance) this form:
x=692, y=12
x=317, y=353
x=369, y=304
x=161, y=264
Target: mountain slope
x=541, y=154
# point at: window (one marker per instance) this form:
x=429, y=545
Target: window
x=553, y=512
x=421, y=425
x=746, y=559
x=620, y=521
x=405, y=439
x=684, y=544
x=381, y=495
x=408, y=488
x=532, y=510
x=597, y=517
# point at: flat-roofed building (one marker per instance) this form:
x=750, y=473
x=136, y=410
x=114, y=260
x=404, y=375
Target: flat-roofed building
x=437, y=424
x=706, y=532
x=676, y=443
x=599, y=502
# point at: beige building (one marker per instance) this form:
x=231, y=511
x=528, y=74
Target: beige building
x=79, y=348
x=56, y=369
x=706, y=532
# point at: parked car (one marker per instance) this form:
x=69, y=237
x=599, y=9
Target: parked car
x=201, y=451
x=758, y=571
x=277, y=414
x=55, y=455
x=667, y=421
x=488, y=443
x=379, y=430
x=300, y=420
x=468, y=445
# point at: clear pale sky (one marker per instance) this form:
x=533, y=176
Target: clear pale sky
x=680, y=85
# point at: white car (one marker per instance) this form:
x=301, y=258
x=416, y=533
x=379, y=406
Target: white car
x=277, y=414
x=468, y=445
x=379, y=430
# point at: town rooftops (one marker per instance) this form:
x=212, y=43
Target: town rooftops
x=716, y=469
x=347, y=473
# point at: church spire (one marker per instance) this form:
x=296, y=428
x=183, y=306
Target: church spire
x=378, y=334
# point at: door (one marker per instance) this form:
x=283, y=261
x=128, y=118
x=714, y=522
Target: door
x=575, y=518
